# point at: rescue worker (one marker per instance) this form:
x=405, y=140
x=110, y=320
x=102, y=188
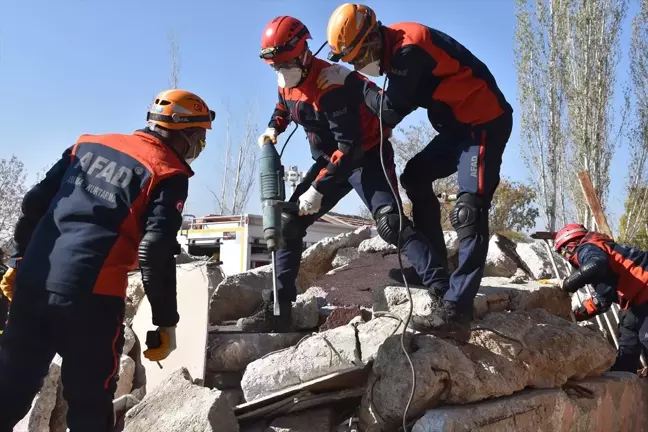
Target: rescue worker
x=344, y=141
x=427, y=68
x=109, y=202
x=618, y=274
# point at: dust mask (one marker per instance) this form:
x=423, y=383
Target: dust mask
x=289, y=77
x=371, y=69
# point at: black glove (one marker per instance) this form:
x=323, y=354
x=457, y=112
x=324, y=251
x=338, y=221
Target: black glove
x=587, y=273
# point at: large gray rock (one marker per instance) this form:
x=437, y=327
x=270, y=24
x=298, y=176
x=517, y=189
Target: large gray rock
x=616, y=407
x=126, y=374
x=38, y=417
x=495, y=295
x=501, y=258
x=507, y=352
x=536, y=258
x=321, y=354
x=232, y=352
x=177, y=405
x=238, y=295
x=317, y=259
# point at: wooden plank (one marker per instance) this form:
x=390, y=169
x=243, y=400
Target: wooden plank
x=594, y=204
x=543, y=235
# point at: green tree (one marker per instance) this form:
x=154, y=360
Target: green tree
x=633, y=225
x=513, y=207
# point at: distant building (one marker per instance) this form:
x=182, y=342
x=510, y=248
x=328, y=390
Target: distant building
x=238, y=240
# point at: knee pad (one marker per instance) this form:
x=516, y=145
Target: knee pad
x=467, y=217
x=388, y=223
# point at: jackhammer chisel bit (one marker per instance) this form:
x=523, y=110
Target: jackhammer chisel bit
x=273, y=203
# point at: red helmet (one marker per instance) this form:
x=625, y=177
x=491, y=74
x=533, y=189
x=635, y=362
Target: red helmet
x=283, y=39
x=568, y=234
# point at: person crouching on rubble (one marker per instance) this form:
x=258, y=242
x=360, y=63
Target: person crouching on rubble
x=109, y=202
x=619, y=274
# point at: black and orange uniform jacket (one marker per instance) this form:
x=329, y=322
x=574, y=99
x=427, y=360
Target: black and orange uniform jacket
x=429, y=69
x=338, y=125
x=613, y=269
x=81, y=226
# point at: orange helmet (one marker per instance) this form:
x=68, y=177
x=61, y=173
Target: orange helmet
x=348, y=27
x=180, y=109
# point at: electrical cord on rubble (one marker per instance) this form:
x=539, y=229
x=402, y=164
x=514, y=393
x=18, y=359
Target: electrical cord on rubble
x=400, y=260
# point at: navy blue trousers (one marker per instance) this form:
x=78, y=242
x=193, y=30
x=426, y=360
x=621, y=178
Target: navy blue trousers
x=369, y=182
x=633, y=337
x=476, y=157
x=88, y=334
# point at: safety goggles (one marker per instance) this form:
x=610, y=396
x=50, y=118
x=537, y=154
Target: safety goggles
x=271, y=52
x=286, y=65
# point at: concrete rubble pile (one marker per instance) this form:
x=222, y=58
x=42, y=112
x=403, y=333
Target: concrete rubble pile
x=342, y=369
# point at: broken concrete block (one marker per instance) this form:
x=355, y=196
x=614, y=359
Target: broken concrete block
x=177, y=405
x=501, y=259
x=519, y=277
x=495, y=295
x=126, y=374
x=134, y=295
x=317, y=259
x=507, y=352
x=238, y=295
x=611, y=410
x=372, y=334
x=305, y=313
x=58, y=420
x=232, y=352
x=452, y=243
x=535, y=256
x=129, y=339
x=344, y=256
x=315, y=356
x=315, y=420
x=376, y=245
x=38, y=417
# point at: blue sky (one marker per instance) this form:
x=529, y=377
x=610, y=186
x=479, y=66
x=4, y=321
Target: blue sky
x=71, y=67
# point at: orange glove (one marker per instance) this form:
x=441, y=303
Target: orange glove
x=7, y=283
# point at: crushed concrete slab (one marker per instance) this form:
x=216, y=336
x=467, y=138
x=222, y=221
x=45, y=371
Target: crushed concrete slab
x=507, y=352
x=232, y=352
x=305, y=312
x=129, y=339
x=319, y=355
x=177, y=405
x=134, y=295
x=376, y=245
x=501, y=257
x=126, y=374
x=344, y=256
x=317, y=259
x=534, y=254
x=38, y=417
x=495, y=295
x=616, y=407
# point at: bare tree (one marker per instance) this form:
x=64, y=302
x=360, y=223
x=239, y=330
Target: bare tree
x=591, y=57
x=174, y=53
x=633, y=221
x=239, y=168
x=540, y=47
x=12, y=189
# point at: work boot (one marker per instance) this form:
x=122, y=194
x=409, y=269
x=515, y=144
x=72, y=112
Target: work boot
x=411, y=276
x=264, y=320
x=446, y=321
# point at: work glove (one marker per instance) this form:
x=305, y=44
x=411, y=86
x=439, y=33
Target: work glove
x=8, y=281
x=332, y=75
x=590, y=308
x=269, y=134
x=167, y=345
x=310, y=202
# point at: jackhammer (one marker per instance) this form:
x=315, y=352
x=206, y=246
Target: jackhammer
x=273, y=203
